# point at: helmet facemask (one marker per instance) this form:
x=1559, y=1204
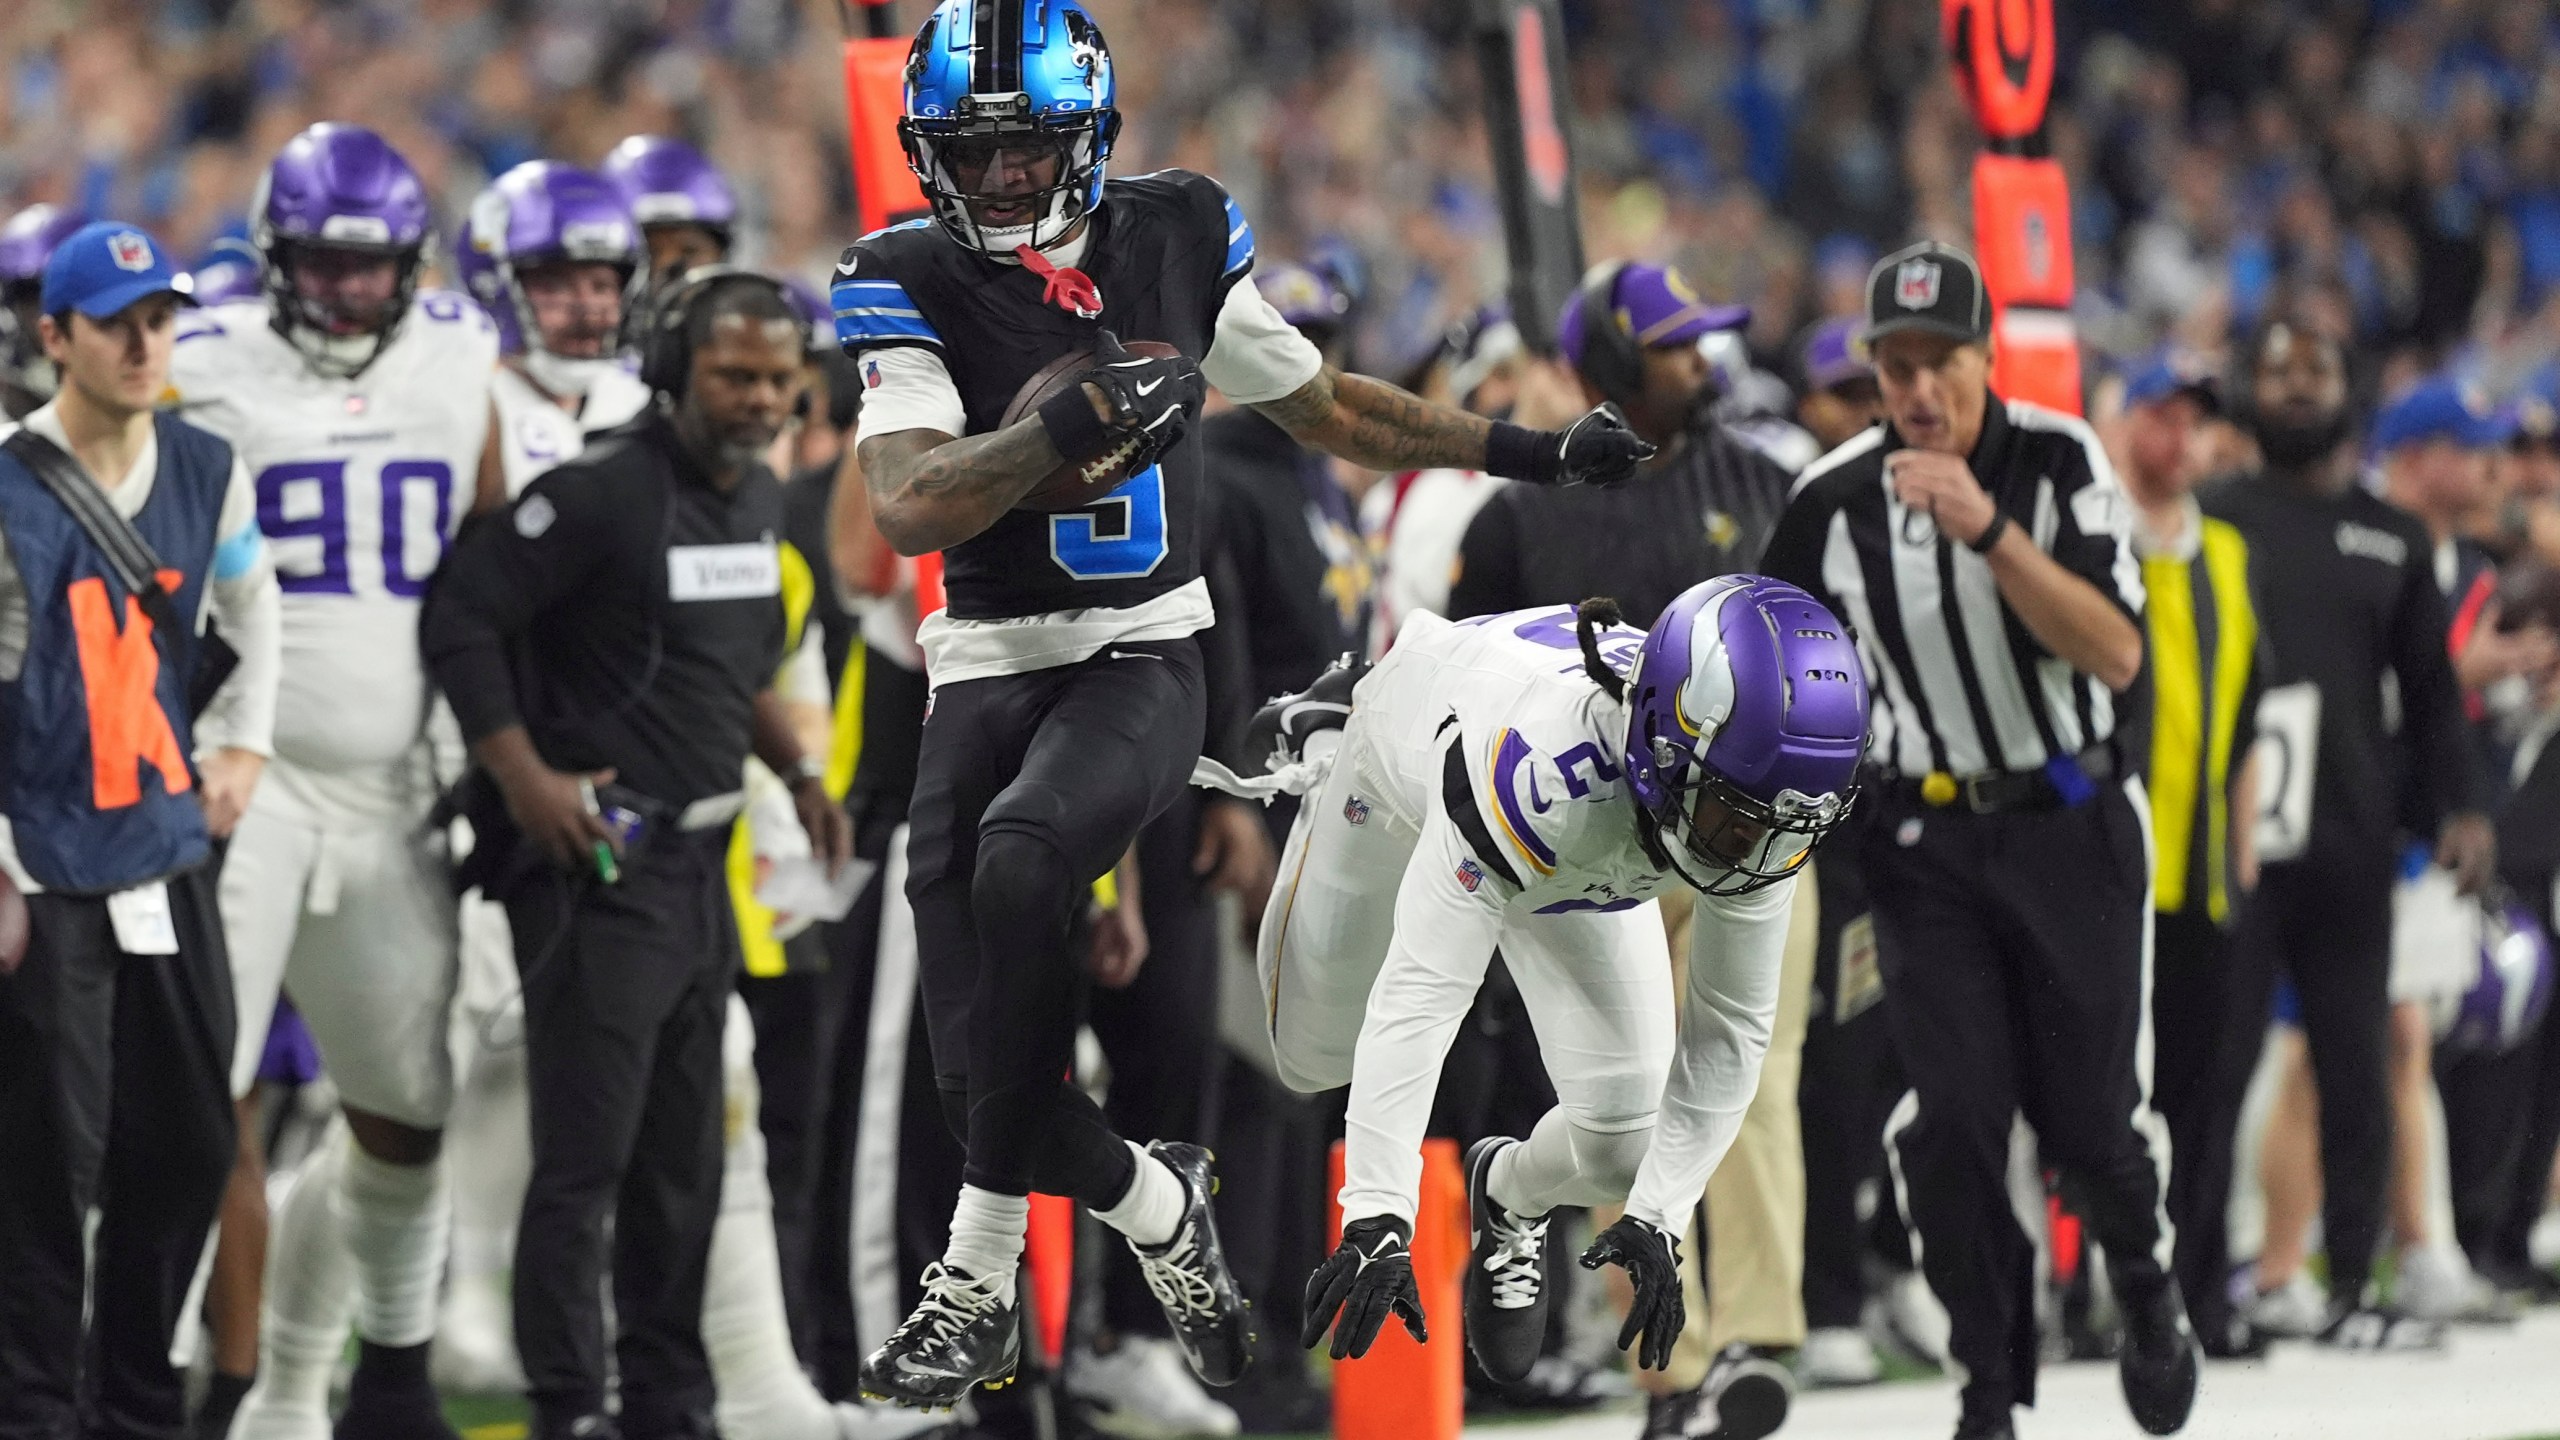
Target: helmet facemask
x=565, y=370
x=972, y=163
x=336, y=344
x=23, y=365
x=1725, y=842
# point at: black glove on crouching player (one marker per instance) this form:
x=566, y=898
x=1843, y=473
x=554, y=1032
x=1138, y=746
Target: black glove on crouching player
x=1151, y=395
x=1652, y=1261
x=1368, y=1277
x=1597, y=449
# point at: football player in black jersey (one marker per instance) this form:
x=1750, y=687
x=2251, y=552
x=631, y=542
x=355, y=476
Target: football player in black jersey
x=1068, y=704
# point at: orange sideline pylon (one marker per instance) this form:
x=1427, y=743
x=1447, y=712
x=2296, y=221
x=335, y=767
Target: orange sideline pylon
x=1051, y=1250
x=1401, y=1390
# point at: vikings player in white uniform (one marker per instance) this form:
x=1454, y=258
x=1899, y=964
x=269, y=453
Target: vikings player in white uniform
x=1508, y=782
x=360, y=408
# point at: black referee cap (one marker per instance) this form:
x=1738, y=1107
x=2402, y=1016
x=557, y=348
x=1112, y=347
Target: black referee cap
x=1930, y=287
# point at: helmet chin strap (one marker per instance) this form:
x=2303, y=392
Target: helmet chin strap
x=565, y=377
x=342, y=356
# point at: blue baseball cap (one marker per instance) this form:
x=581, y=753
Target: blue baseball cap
x=2165, y=372
x=105, y=266
x=2439, y=408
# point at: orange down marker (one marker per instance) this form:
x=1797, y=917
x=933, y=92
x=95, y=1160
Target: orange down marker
x=1401, y=1390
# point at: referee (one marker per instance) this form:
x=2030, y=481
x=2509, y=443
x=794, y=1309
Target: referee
x=1980, y=547
x=609, y=644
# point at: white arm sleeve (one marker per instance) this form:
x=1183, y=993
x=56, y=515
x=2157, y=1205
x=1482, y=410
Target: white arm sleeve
x=1257, y=356
x=907, y=387
x=244, y=597
x=1443, y=943
x=1737, y=946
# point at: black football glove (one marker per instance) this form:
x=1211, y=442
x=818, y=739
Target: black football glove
x=1599, y=449
x=1150, y=395
x=1367, y=1277
x=1652, y=1261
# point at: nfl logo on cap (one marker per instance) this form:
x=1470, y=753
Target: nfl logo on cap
x=129, y=250
x=1915, y=285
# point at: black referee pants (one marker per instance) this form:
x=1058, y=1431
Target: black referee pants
x=1028, y=789
x=115, y=1091
x=2016, y=952
x=2327, y=922
x=626, y=991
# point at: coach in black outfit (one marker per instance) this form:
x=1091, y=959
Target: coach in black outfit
x=609, y=644
x=1981, y=549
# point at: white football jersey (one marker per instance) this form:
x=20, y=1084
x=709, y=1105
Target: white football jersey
x=1543, y=748
x=534, y=433
x=361, y=484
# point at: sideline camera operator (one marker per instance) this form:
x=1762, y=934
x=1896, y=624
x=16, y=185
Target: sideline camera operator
x=609, y=644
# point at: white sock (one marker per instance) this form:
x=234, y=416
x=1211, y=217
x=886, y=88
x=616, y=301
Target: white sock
x=1154, y=1204
x=394, y=1217
x=764, y=1395
x=1563, y=1164
x=987, y=1230
x=310, y=1285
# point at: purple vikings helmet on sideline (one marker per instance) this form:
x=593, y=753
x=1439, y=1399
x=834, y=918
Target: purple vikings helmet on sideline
x=229, y=271
x=26, y=242
x=544, y=213
x=968, y=103
x=338, y=201
x=1307, y=298
x=2510, y=992
x=673, y=187
x=1747, y=714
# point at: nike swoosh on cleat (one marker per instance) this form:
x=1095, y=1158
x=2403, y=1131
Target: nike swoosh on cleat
x=907, y=1364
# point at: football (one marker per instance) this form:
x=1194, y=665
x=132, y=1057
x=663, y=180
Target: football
x=1073, y=486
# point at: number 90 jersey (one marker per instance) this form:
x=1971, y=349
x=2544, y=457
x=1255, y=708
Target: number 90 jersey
x=361, y=484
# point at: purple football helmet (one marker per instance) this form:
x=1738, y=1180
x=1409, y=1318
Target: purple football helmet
x=229, y=271
x=2511, y=992
x=815, y=311
x=26, y=242
x=1747, y=714
x=546, y=213
x=669, y=182
x=338, y=196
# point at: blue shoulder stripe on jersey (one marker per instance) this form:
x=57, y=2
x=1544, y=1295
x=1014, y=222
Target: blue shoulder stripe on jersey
x=918, y=223
x=1239, y=238
x=872, y=311
x=236, y=556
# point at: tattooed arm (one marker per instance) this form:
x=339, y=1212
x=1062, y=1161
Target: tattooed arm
x=930, y=491
x=1375, y=425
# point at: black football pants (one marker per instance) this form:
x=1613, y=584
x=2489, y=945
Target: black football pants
x=626, y=994
x=2016, y=953
x=1028, y=789
x=2327, y=923
x=115, y=1092
x=2209, y=1038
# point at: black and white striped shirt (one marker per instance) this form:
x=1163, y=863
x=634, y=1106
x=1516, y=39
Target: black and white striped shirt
x=1959, y=683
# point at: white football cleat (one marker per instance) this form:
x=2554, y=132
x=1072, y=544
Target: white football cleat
x=1836, y=1356
x=475, y=1352
x=1143, y=1390
x=263, y=1419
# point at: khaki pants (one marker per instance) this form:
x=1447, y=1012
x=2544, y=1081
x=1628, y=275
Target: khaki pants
x=1755, y=1200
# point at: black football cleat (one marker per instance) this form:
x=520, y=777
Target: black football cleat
x=1749, y=1392
x=1189, y=1276
x=391, y=1398
x=1507, y=1288
x=962, y=1335
x=2161, y=1361
x=1278, y=733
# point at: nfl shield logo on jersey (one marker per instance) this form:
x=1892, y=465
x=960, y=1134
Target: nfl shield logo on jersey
x=1470, y=874
x=1915, y=285
x=1356, y=811
x=129, y=250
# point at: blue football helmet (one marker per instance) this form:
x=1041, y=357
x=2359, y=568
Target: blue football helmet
x=996, y=88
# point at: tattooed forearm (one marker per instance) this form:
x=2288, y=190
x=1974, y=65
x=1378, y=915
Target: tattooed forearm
x=930, y=492
x=1374, y=424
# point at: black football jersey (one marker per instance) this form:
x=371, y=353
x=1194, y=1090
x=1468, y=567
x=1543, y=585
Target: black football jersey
x=1164, y=251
